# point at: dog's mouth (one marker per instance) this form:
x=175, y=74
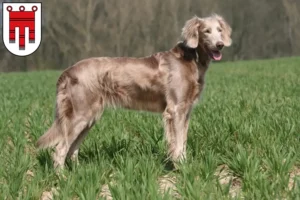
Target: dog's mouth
x=215, y=54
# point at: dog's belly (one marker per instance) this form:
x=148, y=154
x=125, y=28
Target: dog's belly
x=147, y=100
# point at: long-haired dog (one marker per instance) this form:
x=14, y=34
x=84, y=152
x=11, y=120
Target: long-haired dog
x=167, y=82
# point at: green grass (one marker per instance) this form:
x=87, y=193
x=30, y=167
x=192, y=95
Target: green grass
x=248, y=121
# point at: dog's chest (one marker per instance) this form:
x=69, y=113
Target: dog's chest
x=199, y=81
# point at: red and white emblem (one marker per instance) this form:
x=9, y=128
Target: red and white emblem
x=22, y=27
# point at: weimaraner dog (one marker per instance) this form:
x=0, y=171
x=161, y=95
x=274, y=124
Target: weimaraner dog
x=168, y=82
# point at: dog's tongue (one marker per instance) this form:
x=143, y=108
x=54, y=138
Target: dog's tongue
x=216, y=55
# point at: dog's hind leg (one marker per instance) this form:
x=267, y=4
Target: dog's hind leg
x=78, y=107
x=74, y=148
x=96, y=111
x=70, y=134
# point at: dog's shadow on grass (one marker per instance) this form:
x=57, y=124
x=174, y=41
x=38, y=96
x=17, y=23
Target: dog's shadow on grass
x=45, y=159
x=169, y=166
x=99, y=153
x=106, y=151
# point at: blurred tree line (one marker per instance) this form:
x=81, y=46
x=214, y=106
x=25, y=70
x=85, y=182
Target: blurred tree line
x=77, y=29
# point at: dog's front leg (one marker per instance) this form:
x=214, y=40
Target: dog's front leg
x=169, y=116
x=176, y=119
x=185, y=132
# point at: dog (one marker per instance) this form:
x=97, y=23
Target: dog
x=168, y=82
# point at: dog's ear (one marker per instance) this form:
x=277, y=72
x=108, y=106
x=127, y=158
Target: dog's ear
x=190, y=32
x=226, y=33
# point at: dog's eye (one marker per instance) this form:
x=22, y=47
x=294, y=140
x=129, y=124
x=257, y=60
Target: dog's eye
x=220, y=30
x=207, y=31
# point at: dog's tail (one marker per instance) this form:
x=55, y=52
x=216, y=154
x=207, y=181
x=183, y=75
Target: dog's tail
x=50, y=138
x=64, y=109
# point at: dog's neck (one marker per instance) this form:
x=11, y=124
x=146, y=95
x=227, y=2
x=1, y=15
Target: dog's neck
x=198, y=54
x=203, y=57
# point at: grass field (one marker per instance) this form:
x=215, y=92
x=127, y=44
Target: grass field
x=244, y=141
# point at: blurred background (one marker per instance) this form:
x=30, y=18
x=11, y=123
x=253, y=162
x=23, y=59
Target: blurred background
x=77, y=29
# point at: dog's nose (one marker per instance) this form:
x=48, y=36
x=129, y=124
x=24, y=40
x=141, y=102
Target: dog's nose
x=220, y=45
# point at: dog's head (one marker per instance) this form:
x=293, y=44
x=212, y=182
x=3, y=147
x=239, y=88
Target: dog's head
x=212, y=33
